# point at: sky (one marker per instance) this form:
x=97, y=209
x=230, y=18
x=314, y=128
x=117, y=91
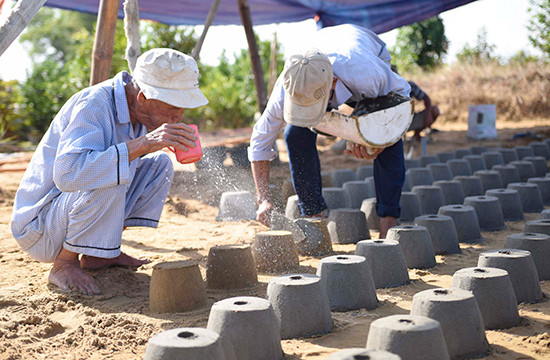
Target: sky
x=504, y=20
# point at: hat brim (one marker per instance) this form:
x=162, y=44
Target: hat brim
x=186, y=98
x=304, y=116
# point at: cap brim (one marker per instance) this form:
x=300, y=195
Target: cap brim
x=189, y=98
x=304, y=116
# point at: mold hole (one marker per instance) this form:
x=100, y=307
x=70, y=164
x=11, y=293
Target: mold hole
x=501, y=190
x=505, y=252
x=240, y=302
x=407, y=227
x=342, y=257
x=441, y=292
x=378, y=241
x=405, y=321
x=481, y=197
x=186, y=335
x=530, y=234
x=361, y=357
x=478, y=270
x=432, y=216
x=457, y=207
x=295, y=277
x=545, y=221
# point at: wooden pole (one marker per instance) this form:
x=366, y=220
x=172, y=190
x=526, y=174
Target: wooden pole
x=259, y=82
x=104, y=40
x=207, y=23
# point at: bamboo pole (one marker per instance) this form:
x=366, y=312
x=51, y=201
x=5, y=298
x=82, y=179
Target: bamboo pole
x=104, y=40
x=18, y=19
x=273, y=64
x=207, y=23
x=131, y=28
x=259, y=82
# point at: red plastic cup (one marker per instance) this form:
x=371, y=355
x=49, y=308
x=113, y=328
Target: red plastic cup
x=192, y=154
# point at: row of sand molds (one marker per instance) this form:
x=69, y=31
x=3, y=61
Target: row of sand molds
x=522, y=270
x=348, y=282
x=310, y=235
x=494, y=293
x=458, y=313
x=409, y=336
x=386, y=261
x=275, y=252
x=300, y=304
x=489, y=212
x=361, y=353
x=539, y=247
x=442, y=233
x=247, y=327
x=410, y=206
x=416, y=244
x=185, y=343
x=347, y=226
x=176, y=287
x=230, y=267
x=466, y=222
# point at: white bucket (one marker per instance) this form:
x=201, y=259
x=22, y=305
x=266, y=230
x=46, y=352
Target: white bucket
x=482, y=122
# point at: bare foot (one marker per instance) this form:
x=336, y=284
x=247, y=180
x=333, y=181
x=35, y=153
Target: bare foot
x=94, y=263
x=68, y=275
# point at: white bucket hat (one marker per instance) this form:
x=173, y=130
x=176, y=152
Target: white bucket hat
x=169, y=76
x=307, y=80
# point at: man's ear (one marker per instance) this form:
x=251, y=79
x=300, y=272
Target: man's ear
x=141, y=97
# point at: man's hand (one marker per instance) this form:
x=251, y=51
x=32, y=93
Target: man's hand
x=360, y=152
x=178, y=135
x=263, y=215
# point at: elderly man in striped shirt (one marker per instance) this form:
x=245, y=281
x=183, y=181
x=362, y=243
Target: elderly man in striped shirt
x=97, y=169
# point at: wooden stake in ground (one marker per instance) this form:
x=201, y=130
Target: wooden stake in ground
x=259, y=82
x=104, y=39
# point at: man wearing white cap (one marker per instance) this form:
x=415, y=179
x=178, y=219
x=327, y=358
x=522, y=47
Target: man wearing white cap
x=97, y=169
x=345, y=64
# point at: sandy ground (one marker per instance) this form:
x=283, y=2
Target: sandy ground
x=39, y=321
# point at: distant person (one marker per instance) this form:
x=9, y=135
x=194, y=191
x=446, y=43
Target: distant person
x=345, y=64
x=423, y=119
x=97, y=169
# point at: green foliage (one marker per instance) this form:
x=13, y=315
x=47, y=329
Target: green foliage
x=421, y=44
x=45, y=91
x=539, y=25
x=60, y=43
x=481, y=52
x=521, y=57
x=157, y=35
x=10, y=117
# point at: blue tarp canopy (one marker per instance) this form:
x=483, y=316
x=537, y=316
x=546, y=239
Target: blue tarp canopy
x=378, y=15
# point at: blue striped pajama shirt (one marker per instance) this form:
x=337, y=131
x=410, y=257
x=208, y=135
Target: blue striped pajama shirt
x=80, y=189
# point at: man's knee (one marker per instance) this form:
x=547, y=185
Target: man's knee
x=160, y=162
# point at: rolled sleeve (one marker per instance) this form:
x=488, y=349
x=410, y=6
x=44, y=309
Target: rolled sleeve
x=267, y=128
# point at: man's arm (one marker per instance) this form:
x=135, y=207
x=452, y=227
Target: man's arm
x=260, y=172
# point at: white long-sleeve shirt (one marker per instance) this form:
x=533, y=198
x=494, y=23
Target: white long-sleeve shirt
x=361, y=63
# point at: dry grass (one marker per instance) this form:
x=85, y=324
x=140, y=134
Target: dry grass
x=519, y=91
